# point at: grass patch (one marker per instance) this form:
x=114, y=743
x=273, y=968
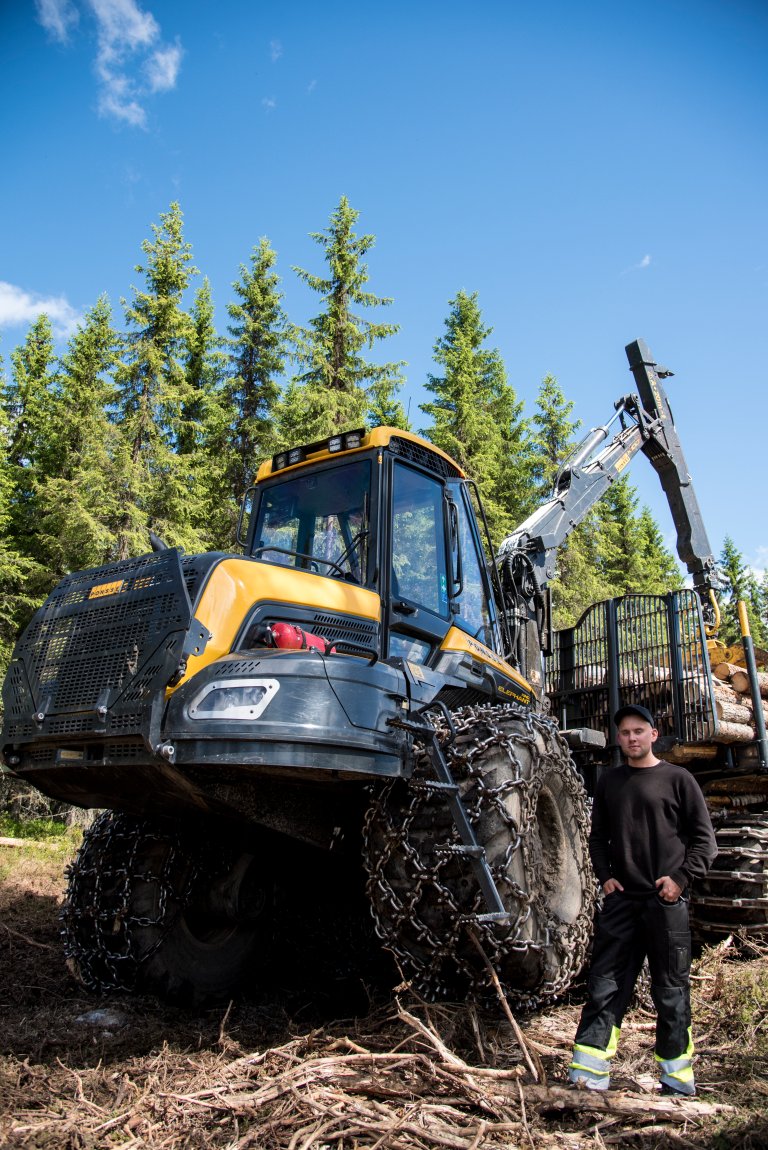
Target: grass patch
x=46, y=841
x=42, y=830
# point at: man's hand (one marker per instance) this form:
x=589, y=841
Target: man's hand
x=668, y=888
x=610, y=885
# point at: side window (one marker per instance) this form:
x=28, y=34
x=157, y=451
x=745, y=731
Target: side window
x=418, y=541
x=474, y=614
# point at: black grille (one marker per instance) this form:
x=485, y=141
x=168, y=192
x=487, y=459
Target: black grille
x=416, y=453
x=648, y=649
x=104, y=642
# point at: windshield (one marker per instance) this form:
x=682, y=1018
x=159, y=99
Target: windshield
x=318, y=522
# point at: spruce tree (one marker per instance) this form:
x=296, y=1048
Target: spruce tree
x=661, y=572
x=78, y=498
x=29, y=402
x=579, y=581
x=739, y=584
x=552, y=434
x=336, y=386
x=204, y=362
x=153, y=391
x=14, y=567
x=476, y=417
x=258, y=348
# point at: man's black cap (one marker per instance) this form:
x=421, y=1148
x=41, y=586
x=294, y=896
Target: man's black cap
x=634, y=709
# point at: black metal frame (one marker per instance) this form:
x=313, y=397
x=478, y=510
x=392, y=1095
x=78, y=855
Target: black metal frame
x=647, y=649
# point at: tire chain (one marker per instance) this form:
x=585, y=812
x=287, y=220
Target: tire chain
x=449, y=948
x=100, y=945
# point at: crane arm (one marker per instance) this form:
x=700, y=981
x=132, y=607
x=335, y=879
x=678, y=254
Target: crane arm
x=527, y=557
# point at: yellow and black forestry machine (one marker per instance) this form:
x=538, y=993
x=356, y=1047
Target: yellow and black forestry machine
x=363, y=703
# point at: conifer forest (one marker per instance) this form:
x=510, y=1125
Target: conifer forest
x=151, y=419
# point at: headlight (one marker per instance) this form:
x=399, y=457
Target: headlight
x=234, y=699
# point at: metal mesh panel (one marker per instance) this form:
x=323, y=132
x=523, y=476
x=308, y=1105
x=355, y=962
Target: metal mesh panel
x=576, y=672
x=648, y=649
x=105, y=640
x=406, y=449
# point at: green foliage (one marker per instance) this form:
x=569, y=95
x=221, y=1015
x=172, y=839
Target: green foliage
x=739, y=583
x=40, y=829
x=476, y=417
x=257, y=352
x=157, y=486
x=77, y=499
x=164, y=425
x=553, y=432
x=633, y=556
x=336, y=386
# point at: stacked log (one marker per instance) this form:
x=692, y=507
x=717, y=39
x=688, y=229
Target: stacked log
x=733, y=703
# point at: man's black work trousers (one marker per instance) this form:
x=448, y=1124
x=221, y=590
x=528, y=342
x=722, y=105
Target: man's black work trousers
x=629, y=929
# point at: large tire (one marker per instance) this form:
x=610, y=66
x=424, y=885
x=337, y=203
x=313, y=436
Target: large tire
x=528, y=809
x=733, y=898
x=137, y=915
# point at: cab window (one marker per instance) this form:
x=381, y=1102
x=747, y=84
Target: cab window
x=474, y=614
x=418, y=571
x=318, y=521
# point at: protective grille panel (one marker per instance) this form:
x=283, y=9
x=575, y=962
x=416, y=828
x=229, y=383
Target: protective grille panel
x=104, y=641
x=647, y=649
x=406, y=449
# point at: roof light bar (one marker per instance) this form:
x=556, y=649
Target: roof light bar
x=345, y=441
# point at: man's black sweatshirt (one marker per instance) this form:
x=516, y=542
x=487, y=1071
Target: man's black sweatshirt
x=648, y=822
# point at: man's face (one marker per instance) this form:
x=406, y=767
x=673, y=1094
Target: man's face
x=636, y=737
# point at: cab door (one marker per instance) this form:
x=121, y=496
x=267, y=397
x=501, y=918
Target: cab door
x=419, y=579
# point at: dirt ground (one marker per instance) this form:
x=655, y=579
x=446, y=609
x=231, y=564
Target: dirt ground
x=299, y=1067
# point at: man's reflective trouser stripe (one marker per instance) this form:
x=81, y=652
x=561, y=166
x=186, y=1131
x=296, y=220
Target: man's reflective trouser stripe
x=595, y=1063
x=678, y=1069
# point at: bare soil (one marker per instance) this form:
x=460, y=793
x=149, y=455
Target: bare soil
x=347, y=1066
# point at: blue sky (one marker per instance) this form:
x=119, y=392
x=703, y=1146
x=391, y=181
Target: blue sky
x=597, y=172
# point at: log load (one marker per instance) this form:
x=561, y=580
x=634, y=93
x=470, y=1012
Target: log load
x=733, y=703
x=740, y=682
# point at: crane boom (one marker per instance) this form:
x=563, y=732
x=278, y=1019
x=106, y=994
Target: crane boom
x=527, y=557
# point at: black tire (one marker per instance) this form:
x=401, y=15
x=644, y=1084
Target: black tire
x=137, y=914
x=733, y=898
x=528, y=809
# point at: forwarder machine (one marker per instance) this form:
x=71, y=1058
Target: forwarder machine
x=360, y=681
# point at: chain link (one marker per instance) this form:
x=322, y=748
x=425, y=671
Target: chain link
x=422, y=902
x=103, y=945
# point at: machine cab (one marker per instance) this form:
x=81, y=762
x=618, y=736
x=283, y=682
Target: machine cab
x=385, y=511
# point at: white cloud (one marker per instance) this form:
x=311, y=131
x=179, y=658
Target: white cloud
x=645, y=262
x=162, y=68
x=269, y=102
x=275, y=50
x=18, y=306
x=132, y=61
x=57, y=17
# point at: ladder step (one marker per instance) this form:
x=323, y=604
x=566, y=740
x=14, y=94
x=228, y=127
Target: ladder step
x=468, y=851
x=429, y=785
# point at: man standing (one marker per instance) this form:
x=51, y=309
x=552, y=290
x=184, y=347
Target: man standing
x=651, y=835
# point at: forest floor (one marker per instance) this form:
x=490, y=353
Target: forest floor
x=362, y=1069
